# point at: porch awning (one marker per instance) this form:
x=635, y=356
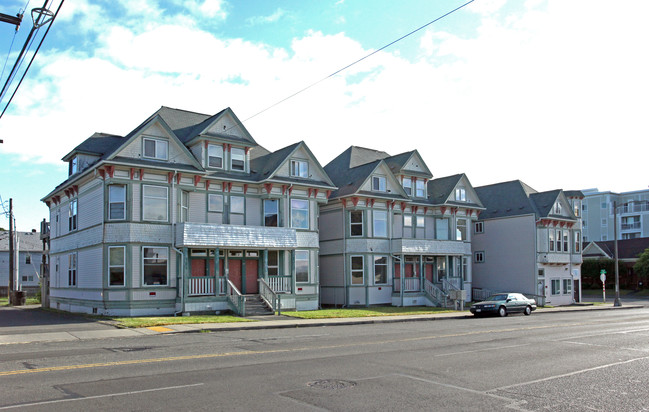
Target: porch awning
x=235, y=236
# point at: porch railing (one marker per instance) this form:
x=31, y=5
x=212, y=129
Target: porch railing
x=269, y=296
x=280, y=284
x=409, y=284
x=481, y=294
x=436, y=294
x=236, y=300
x=200, y=286
x=454, y=283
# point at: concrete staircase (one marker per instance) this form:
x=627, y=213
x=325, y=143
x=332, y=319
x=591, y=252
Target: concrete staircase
x=255, y=306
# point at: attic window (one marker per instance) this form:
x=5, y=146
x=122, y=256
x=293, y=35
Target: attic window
x=379, y=184
x=557, y=208
x=460, y=194
x=156, y=149
x=299, y=168
x=74, y=165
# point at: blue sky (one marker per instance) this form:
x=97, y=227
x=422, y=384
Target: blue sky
x=552, y=92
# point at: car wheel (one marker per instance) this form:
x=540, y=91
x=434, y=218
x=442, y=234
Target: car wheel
x=502, y=312
x=528, y=310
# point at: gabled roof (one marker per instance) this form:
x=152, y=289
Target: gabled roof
x=441, y=189
x=515, y=198
x=28, y=241
x=398, y=162
x=99, y=144
x=626, y=248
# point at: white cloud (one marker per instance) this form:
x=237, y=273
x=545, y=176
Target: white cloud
x=272, y=18
x=550, y=94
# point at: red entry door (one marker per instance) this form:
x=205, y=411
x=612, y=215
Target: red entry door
x=234, y=267
x=252, y=286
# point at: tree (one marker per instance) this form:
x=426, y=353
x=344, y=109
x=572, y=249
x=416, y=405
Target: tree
x=641, y=267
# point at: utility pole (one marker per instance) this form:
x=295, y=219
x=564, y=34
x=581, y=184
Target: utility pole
x=11, y=250
x=617, y=275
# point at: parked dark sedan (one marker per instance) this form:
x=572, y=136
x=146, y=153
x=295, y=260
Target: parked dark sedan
x=504, y=303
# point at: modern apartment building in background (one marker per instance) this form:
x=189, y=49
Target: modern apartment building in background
x=598, y=216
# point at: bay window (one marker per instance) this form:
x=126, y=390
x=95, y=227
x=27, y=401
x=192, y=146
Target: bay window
x=299, y=213
x=356, y=223
x=155, y=203
x=154, y=266
x=380, y=223
x=116, y=202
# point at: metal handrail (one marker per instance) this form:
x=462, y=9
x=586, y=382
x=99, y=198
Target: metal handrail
x=236, y=300
x=448, y=285
x=269, y=296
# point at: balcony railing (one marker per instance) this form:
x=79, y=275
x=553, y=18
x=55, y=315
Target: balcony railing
x=629, y=226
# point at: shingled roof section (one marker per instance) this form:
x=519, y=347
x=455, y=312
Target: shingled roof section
x=626, y=248
x=506, y=199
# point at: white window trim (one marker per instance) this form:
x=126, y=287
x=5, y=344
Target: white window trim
x=222, y=157
x=157, y=141
x=263, y=203
x=299, y=163
x=380, y=179
x=73, y=270
x=73, y=216
x=374, y=220
x=245, y=163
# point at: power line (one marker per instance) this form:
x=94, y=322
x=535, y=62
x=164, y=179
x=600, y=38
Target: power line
x=37, y=25
x=357, y=61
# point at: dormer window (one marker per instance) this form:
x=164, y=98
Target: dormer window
x=156, y=149
x=420, y=188
x=215, y=156
x=557, y=208
x=407, y=185
x=238, y=160
x=74, y=165
x=299, y=168
x=460, y=194
x=379, y=184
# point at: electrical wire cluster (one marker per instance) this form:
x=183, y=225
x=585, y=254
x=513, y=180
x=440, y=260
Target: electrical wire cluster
x=41, y=17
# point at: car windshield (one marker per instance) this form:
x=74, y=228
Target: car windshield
x=496, y=297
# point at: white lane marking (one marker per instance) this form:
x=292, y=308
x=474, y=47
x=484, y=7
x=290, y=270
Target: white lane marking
x=23, y=405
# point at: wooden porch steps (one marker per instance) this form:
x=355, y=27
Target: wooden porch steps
x=256, y=307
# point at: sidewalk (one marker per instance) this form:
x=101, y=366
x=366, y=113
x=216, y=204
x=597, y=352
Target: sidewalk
x=72, y=330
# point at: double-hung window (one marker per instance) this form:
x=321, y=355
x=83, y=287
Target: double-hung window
x=184, y=206
x=407, y=185
x=559, y=247
x=441, y=228
x=72, y=269
x=273, y=262
x=567, y=286
x=420, y=188
x=379, y=184
x=299, y=168
x=380, y=223
x=271, y=213
x=154, y=265
x=566, y=243
x=301, y=266
x=380, y=270
x=237, y=210
x=356, y=223
x=460, y=194
x=551, y=239
x=72, y=216
x=156, y=149
x=357, y=271
x=577, y=242
x=116, y=265
x=116, y=202
x=299, y=213
x=238, y=159
x=155, y=205
x=420, y=221
x=215, y=156
x=215, y=203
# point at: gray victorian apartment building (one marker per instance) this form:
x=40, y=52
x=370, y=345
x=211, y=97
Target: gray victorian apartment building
x=185, y=213
x=391, y=234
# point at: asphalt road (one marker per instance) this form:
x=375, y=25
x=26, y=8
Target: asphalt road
x=562, y=361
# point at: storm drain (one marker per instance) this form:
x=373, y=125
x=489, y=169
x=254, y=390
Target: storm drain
x=331, y=384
